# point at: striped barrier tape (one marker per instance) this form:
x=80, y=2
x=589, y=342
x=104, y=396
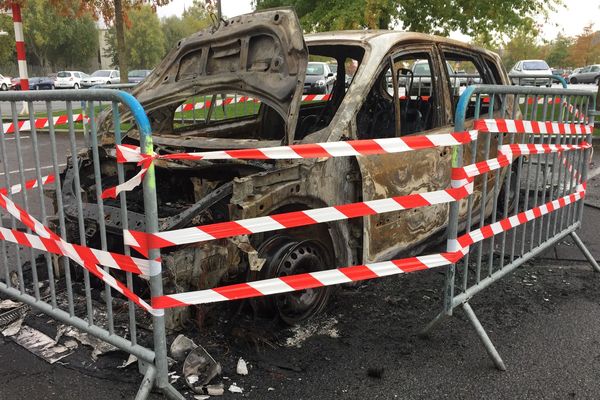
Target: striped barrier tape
x=242, y=99
x=462, y=186
x=535, y=127
x=577, y=114
x=357, y=273
x=41, y=123
x=142, y=241
x=87, y=259
x=126, y=153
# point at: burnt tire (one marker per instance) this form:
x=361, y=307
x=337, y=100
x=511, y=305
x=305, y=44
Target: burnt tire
x=286, y=256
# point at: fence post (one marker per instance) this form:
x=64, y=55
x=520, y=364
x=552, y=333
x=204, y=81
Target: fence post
x=151, y=219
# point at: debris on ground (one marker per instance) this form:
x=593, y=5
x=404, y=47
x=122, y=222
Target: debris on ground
x=303, y=332
x=242, y=368
x=199, y=369
x=235, y=389
x=99, y=347
x=13, y=328
x=40, y=344
x=181, y=346
x=201, y=397
x=8, y=304
x=215, y=390
x=132, y=359
x=375, y=372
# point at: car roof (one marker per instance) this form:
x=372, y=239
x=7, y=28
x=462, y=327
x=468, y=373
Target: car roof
x=386, y=38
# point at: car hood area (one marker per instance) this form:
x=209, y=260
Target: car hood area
x=261, y=55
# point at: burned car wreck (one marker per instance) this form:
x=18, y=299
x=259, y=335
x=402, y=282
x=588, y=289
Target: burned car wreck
x=264, y=56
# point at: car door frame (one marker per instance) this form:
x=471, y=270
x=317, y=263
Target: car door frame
x=390, y=234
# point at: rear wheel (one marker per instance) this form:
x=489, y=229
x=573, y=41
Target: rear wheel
x=286, y=256
x=574, y=81
x=4, y=87
x=76, y=86
x=597, y=81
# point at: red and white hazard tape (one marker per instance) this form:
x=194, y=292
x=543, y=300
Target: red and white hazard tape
x=87, y=259
x=242, y=99
x=577, y=114
x=40, y=123
x=46, y=180
x=127, y=153
x=506, y=224
x=310, y=280
x=142, y=241
x=357, y=273
x=536, y=127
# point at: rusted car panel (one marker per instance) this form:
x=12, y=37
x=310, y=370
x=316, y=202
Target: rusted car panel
x=264, y=55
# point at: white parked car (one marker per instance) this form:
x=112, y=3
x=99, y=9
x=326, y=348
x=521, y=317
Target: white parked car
x=101, y=77
x=530, y=73
x=5, y=83
x=69, y=79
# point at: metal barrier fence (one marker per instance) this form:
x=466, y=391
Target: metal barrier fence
x=63, y=277
x=537, y=202
x=542, y=217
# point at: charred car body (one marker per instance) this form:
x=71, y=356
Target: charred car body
x=265, y=55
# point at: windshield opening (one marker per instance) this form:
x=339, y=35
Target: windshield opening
x=535, y=65
x=315, y=69
x=101, y=74
x=63, y=74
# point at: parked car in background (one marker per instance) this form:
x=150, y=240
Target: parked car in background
x=524, y=71
x=138, y=75
x=5, y=83
x=319, y=78
x=35, y=83
x=101, y=77
x=589, y=74
x=573, y=73
x=69, y=79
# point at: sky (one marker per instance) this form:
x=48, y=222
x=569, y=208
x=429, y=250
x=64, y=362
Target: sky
x=569, y=21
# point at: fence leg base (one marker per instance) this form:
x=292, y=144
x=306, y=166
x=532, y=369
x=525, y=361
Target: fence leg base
x=147, y=383
x=585, y=251
x=424, y=333
x=487, y=343
x=171, y=393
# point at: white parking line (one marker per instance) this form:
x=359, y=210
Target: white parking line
x=13, y=137
x=33, y=169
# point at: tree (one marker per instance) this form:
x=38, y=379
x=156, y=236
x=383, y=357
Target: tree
x=54, y=39
x=558, y=54
x=586, y=49
x=521, y=46
x=7, y=43
x=490, y=20
x=114, y=13
x=144, y=37
x=193, y=19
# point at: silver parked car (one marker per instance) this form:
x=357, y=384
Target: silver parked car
x=531, y=73
x=101, y=77
x=589, y=74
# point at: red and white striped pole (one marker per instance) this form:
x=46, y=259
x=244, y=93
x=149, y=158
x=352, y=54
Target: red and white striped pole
x=20, y=41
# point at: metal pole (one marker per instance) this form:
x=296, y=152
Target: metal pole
x=20, y=43
x=219, y=11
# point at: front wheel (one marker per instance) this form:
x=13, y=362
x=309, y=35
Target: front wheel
x=108, y=83
x=286, y=256
x=4, y=87
x=76, y=86
x=597, y=81
x=573, y=81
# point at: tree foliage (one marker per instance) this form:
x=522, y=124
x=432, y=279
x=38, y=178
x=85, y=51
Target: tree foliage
x=193, y=19
x=489, y=20
x=57, y=40
x=586, y=49
x=144, y=37
x=7, y=43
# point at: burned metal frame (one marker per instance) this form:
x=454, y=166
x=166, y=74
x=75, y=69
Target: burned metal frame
x=571, y=106
x=152, y=362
